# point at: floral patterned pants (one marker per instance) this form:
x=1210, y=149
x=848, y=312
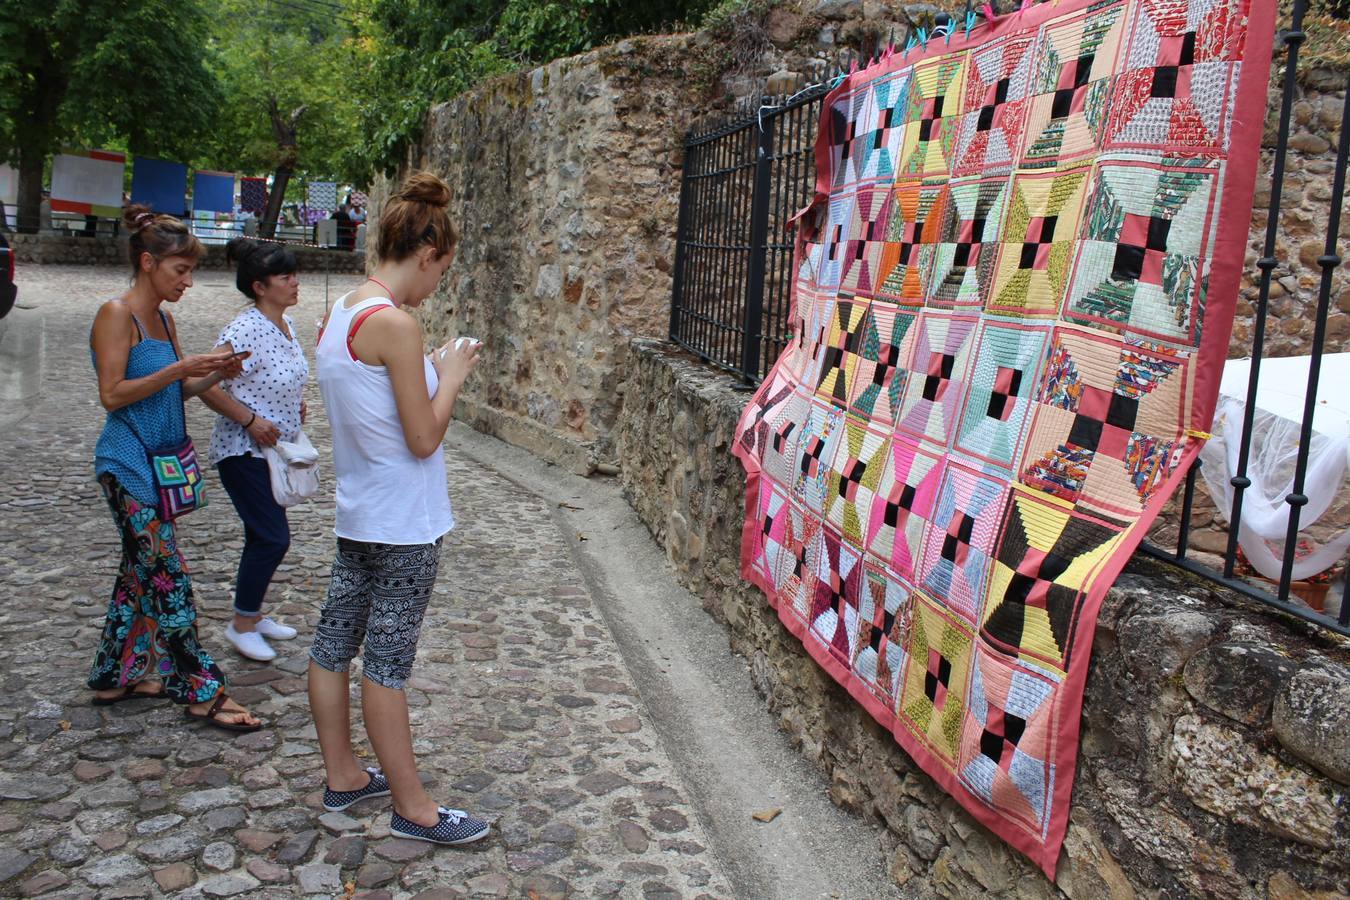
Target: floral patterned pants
x=151, y=630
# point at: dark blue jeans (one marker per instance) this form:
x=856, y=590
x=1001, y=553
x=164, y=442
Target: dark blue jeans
x=267, y=534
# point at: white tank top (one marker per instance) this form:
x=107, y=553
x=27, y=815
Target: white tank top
x=385, y=494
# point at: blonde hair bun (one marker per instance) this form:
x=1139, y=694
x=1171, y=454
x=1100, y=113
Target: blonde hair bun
x=427, y=188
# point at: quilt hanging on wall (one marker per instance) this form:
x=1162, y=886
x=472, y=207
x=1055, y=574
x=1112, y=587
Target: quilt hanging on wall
x=1012, y=303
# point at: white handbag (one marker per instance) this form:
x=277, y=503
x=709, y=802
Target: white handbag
x=294, y=467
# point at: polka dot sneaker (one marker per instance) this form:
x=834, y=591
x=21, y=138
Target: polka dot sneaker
x=337, y=801
x=455, y=827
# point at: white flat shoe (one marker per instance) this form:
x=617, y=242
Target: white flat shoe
x=275, y=630
x=250, y=644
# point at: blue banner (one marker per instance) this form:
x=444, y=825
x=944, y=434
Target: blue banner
x=213, y=192
x=160, y=185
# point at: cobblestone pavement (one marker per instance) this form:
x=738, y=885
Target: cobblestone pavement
x=521, y=706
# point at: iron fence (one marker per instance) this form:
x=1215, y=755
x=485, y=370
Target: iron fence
x=730, y=303
x=78, y=225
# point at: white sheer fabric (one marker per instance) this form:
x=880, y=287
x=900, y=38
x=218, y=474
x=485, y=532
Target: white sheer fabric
x=1275, y=440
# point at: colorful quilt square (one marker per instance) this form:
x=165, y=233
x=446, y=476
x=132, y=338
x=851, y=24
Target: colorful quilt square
x=826, y=259
x=937, y=382
x=854, y=476
x=1075, y=60
x=904, y=505
x=935, y=95
x=839, y=356
x=965, y=258
x=1046, y=554
x=1037, y=243
x=883, y=362
x=1177, y=76
x=835, y=593
x=1002, y=392
x=1107, y=429
x=863, y=249
x=1008, y=738
x=997, y=102
x=1140, y=267
x=913, y=230
x=880, y=660
x=933, y=698
x=776, y=537
x=819, y=441
x=875, y=147
x=957, y=548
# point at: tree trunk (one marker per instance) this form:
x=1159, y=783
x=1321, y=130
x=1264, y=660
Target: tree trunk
x=30, y=189
x=283, y=128
x=268, y=226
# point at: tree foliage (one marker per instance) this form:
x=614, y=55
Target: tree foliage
x=131, y=72
x=425, y=51
x=209, y=83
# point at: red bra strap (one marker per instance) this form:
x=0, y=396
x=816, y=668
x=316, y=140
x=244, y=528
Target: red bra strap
x=356, y=325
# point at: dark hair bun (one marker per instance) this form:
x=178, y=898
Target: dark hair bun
x=136, y=216
x=241, y=248
x=425, y=187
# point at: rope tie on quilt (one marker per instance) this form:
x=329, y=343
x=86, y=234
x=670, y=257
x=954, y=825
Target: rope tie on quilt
x=1202, y=435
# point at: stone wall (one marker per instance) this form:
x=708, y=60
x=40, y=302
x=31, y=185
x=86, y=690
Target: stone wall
x=566, y=183
x=61, y=249
x=1216, y=736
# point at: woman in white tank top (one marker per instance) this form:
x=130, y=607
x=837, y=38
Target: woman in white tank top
x=389, y=406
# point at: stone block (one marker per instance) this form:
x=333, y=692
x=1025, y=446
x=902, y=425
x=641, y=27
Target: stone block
x=1312, y=719
x=1225, y=774
x=1237, y=680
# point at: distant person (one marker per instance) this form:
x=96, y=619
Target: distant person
x=149, y=647
x=261, y=405
x=389, y=405
x=346, y=231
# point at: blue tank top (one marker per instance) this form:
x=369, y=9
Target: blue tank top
x=151, y=423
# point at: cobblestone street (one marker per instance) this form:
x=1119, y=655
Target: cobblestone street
x=522, y=708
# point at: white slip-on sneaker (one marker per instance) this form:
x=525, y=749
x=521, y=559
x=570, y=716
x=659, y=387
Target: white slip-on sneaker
x=250, y=644
x=275, y=630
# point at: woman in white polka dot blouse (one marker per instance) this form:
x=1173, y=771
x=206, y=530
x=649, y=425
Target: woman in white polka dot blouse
x=259, y=407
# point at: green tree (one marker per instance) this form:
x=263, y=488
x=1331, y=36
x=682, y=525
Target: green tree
x=97, y=71
x=290, y=106
x=426, y=51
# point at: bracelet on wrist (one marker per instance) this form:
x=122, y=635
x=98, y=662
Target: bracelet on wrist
x=250, y=420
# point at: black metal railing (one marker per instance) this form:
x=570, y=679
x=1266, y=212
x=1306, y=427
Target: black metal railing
x=742, y=183
x=77, y=225
x=731, y=298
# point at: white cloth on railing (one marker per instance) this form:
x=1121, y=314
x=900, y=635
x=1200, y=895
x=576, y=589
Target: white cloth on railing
x=1270, y=466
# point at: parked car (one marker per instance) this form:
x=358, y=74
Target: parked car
x=8, y=290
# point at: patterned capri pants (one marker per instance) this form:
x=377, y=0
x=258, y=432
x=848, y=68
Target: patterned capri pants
x=378, y=593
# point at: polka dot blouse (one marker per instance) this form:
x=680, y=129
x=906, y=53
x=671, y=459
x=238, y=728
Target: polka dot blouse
x=271, y=384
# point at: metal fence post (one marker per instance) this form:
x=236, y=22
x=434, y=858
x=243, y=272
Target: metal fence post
x=681, y=237
x=759, y=239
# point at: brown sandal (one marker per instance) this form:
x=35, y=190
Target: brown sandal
x=212, y=716
x=129, y=692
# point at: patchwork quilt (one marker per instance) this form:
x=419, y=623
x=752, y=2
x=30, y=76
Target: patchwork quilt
x=1012, y=303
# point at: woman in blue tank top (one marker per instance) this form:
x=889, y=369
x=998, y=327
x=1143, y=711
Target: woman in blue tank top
x=149, y=646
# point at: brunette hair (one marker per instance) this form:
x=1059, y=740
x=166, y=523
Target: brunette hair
x=159, y=235
x=258, y=262
x=414, y=216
